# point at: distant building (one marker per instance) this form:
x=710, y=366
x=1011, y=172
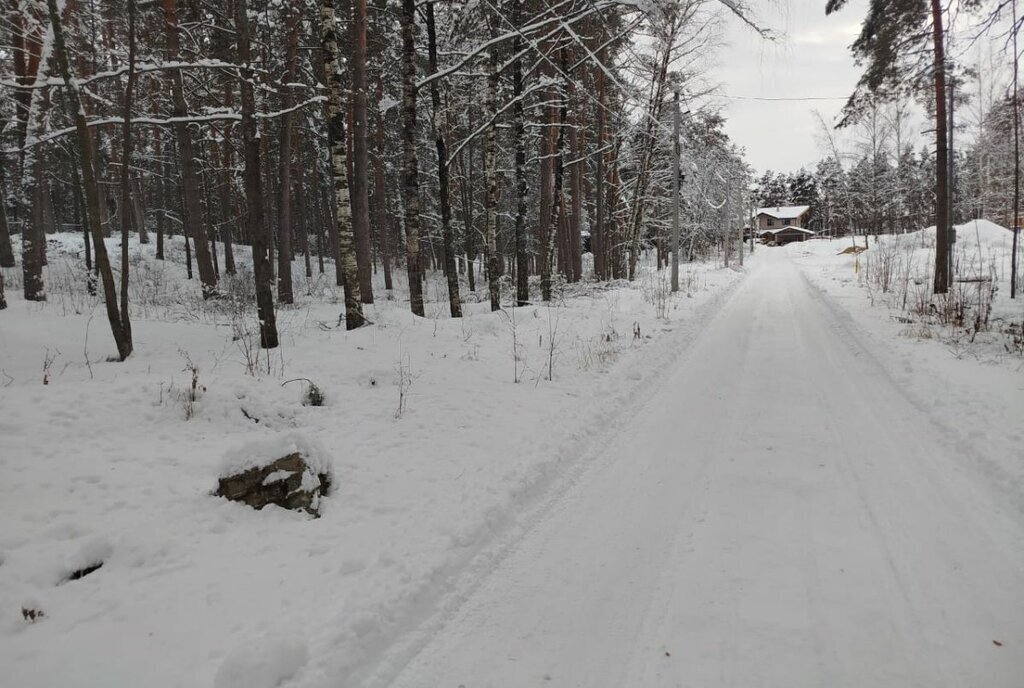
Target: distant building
x=782, y=224
x=780, y=216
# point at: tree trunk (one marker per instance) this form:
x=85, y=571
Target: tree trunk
x=545, y=227
x=577, y=148
x=127, y=206
x=6, y=249
x=491, y=174
x=212, y=220
x=360, y=156
x=301, y=228
x=320, y=216
x=380, y=193
x=942, y=247
x=597, y=231
x=614, y=236
x=122, y=337
x=466, y=188
x=33, y=239
x=227, y=232
x=269, y=227
x=519, y=141
x=139, y=208
x=192, y=215
x=161, y=197
x=284, y=206
x=79, y=203
x=410, y=186
x=558, y=196
x=96, y=144
x=26, y=54
x=455, y=305
x=345, y=254
x=254, y=186
x=1016, y=161
x=33, y=236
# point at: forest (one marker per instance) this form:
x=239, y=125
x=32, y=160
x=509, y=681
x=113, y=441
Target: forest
x=496, y=143
x=493, y=142
x=405, y=344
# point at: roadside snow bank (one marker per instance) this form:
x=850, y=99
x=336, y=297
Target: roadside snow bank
x=969, y=381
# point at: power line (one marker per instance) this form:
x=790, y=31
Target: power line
x=783, y=99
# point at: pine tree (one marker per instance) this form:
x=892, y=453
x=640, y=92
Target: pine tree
x=892, y=37
x=261, y=264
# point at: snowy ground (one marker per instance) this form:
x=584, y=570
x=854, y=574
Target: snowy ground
x=101, y=464
x=972, y=383
x=776, y=485
x=781, y=513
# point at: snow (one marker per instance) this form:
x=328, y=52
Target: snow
x=971, y=383
x=276, y=477
x=786, y=212
x=774, y=484
x=94, y=551
x=266, y=662
x=787, y=228
x=266, y=451
x=104, y=453
x=779, y=513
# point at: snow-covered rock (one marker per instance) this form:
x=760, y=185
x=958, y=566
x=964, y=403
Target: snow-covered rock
x=289, y=471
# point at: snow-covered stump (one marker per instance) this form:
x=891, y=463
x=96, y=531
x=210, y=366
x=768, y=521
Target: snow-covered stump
x=291, y=472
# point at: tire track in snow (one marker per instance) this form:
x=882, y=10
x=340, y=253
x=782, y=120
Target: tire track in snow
x=924, y=569
x=457, y=580
x=794, y=534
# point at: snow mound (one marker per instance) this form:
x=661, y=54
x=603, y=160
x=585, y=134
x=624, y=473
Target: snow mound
x=93, y=552
x=985, y=233
x=265, y=662
x=266, y=451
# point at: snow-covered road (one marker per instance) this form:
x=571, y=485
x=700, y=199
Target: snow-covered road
x=779, y=514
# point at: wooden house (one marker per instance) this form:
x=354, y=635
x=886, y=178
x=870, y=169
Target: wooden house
x=780, y=216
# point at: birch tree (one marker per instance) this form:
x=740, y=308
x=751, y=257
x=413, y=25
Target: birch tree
x=360, y=154
x=339, y=167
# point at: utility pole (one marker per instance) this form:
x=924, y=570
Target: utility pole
x=1016, y=162
x=675, y=193
x=950, y=231
x=751, y=221
x=728, y=233
x=739, y=216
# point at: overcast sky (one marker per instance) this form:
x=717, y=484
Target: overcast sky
x=811, y=59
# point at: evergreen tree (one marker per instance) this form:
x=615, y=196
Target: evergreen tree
x=900, y=38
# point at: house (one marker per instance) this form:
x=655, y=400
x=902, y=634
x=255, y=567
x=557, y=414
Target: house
x=785, y=235
x=780, y=216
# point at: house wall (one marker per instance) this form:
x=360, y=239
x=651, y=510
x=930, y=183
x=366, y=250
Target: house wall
x=762, y=222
